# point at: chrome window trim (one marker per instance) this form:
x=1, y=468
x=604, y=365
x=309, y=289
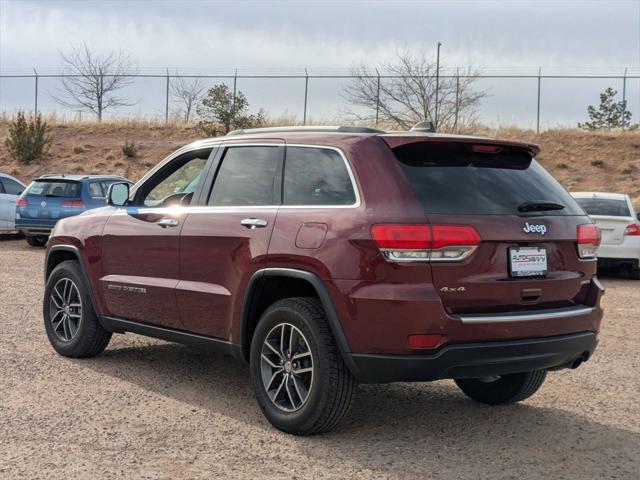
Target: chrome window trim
x=236, y=143
x=526, y=317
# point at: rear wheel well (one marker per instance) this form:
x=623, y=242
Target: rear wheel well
x=56, y=257
x=266, y=291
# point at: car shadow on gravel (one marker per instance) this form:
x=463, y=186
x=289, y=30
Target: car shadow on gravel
x=411, y=427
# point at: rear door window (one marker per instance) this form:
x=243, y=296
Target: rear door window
x=316, y=176
x=247, y=176
x=54, y=188
x=455, y=179
x=605, y=206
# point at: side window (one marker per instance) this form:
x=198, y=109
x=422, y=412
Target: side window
x=176, y=183
x=1, y=186
x=316, y=176
x=11, y=186
x=247, y=176
x=97, y=190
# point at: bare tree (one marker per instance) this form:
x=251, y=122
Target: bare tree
x=91, y=80
x=187, y=94
x=405, y=93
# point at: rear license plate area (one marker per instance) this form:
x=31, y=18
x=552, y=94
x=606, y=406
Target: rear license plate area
x=528, y=262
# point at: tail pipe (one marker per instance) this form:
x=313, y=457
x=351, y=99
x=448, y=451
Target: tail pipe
x=579, y=360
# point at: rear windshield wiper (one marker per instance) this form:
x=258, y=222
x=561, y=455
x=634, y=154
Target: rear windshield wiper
x=539, y=206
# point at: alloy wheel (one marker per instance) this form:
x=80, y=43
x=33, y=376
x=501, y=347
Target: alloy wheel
x=286, y=364
x=65, y=309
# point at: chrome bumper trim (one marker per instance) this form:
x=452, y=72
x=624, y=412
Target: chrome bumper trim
x=527, y=316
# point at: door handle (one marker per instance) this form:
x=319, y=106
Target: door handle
x=168, y=222
x=254, y=223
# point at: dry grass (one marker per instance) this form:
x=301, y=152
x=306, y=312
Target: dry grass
x=605, y=161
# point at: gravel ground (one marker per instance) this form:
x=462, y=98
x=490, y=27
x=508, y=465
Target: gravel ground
x=150, y=409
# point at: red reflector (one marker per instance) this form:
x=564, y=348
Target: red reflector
x=73, y=203
x=402, y=237
x=485, y=149
x=424, y=341
x=588, y=234
x=632, y=230
x=21, y=202
x=458, y=235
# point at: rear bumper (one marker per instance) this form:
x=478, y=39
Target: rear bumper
x=35, y=226
x=476, y=360
x=618, y=262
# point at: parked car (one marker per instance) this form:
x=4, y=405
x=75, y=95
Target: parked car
x=620, y=227
x=327, y=257
x=10, y=189
x=52, y=197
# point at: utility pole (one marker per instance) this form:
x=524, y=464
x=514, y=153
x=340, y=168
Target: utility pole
x=166, y=101
x=437, y=85
x=306, y=94
x=538, y=110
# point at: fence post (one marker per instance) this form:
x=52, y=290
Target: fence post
x=378, y=99
x=235, y=85
x=624, y=86
x=538, y=112
x=35, y=112
x=455, y=122
x=306, y=91
x=166, y=102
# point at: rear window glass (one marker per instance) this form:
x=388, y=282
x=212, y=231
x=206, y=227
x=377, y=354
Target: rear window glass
x=604, y=206
x=54, y=188
x=453, y=179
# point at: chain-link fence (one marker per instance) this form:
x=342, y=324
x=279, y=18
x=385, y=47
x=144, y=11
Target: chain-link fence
x=536, y=98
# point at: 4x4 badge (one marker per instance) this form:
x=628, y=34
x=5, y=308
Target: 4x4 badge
x=534, y=228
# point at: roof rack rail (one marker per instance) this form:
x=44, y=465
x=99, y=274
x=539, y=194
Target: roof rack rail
x=317, y=128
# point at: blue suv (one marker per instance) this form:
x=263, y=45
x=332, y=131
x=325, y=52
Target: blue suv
x=52, y=197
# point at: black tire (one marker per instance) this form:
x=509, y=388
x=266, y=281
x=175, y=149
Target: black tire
x=504, y=390
x=37, y=241
x=331, y=393
x=89, y=338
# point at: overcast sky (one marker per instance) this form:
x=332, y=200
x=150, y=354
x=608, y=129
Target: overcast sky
x=203, y=36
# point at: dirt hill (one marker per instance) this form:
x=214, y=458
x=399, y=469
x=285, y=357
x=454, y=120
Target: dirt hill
x=580, y=160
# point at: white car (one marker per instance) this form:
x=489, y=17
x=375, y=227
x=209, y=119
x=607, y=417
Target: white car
x=620, y=228
x=10, y=190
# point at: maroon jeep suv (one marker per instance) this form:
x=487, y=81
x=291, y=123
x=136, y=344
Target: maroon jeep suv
x=331, y=256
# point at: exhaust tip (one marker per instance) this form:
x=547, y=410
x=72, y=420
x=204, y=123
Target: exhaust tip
x=577, y=362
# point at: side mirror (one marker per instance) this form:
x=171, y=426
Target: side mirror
x=638, y=215
x=118, y=194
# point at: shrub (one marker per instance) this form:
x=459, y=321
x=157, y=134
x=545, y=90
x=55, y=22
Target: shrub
x=562, y=166
x=129, y=149
x=28, y=139
x=78, y=149
x=597, y=163
x=220, y=112
x=629, y=169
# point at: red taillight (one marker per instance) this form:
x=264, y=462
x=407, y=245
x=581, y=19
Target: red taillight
x=21, y=202
x=446, y=235
x=402, y=237
x=407, y=243
x=73, y=204
x=588, y=240
x=632, y=230
x=424, y=341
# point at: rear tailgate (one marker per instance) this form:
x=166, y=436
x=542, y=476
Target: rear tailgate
x=521, y=215
x=48, y=200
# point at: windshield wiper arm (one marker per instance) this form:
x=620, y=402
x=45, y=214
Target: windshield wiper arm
x=539, y=206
